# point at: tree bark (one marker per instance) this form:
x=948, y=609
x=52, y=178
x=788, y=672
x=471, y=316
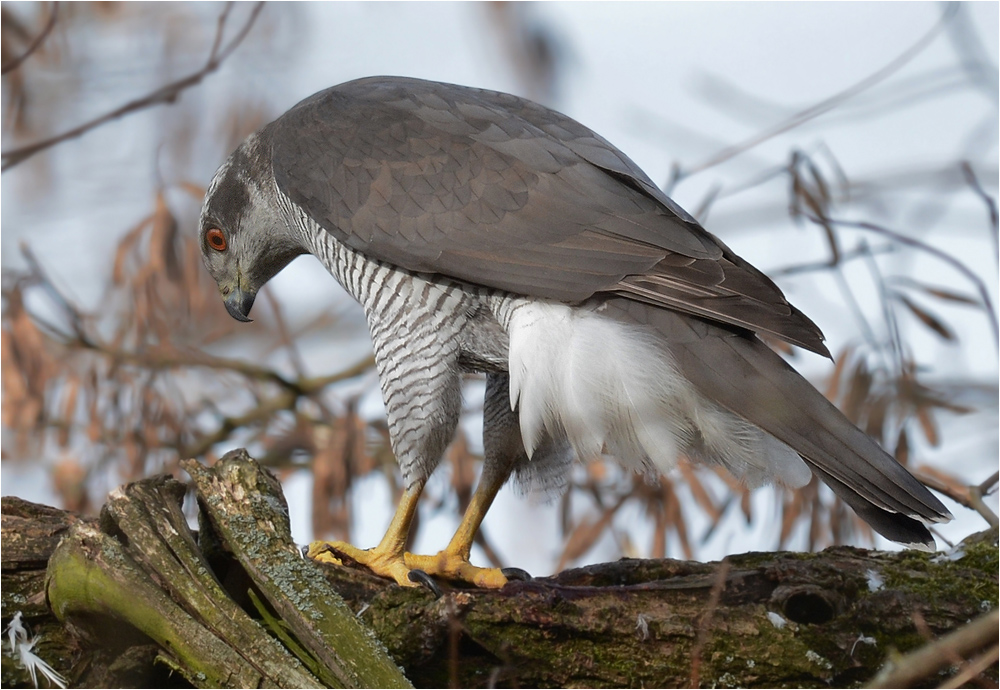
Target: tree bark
x=137, y=599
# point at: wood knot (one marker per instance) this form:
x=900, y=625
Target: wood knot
x=807, y=604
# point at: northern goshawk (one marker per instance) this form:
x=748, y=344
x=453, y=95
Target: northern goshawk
x=484, y=232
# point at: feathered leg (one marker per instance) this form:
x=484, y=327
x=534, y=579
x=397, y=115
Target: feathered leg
x=502, y=451
x=421, y=388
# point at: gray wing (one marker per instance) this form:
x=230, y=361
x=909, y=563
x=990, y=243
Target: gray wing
x=494, y=190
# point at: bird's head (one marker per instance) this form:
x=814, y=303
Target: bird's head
x=245, y=237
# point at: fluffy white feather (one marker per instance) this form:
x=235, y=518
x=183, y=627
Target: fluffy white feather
x=22, y=648
x=611, y=387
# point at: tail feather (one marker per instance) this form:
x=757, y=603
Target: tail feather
x=891, y=525
x=743, y=375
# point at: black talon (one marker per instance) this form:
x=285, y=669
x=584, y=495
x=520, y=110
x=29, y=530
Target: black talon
x=516, y=574
x=420, y=577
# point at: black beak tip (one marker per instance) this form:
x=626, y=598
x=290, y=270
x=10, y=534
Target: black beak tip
x=238, y=305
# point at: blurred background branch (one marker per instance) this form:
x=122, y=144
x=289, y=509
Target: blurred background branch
x=166, y=94
x=947, y=15
x=15, y=62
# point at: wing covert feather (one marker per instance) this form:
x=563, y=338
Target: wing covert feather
x=495, y=190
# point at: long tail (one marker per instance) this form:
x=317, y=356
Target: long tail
x=746, y=377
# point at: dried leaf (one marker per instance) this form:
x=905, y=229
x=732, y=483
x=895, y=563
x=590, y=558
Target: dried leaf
x=957, y=485
x=816, y=524
x=951, y=296
x=902, y=452
x=877, y=410
x=698, y=491
x=69, y=409
x=675, y=518
x=125, y=248
x=746, y=507
x=946, y=294
x=463, y=470
x=69, y=479
x=778, y=345
x=597, y=471
x=164, y=238
x=195, y=190
x=833, y=387
x=790, y=516
x=585, y=535
x=928, y=425
x=859, y=386
x=928, y=319
x=658, y=547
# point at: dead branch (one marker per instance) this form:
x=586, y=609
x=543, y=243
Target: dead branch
x=143, y=567
x=235, y=605
x=991, y=203
x=861, y=252
x=14, y=63
x=705, y=622
x=163, y=95
x=928, y=660
x=823, y=106
x=984, y=295
x=969, y=496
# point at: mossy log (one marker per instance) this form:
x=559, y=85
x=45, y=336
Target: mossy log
x=137, y=599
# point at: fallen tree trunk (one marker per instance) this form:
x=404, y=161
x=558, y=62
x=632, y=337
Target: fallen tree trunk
x=137, y=599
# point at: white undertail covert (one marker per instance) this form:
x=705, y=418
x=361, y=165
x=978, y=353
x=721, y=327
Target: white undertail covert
x=610, y=387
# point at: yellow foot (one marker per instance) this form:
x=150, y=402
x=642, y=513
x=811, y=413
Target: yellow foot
x=381, y=563
x=451, y=566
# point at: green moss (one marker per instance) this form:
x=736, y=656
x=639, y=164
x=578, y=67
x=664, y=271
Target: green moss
x=790, y=656
x=935, y=578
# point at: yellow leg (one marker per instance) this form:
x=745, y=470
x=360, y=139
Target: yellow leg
x=389, y=559
x=386, y=559
x=453, y=562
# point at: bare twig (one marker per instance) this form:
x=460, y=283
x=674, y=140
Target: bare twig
x=926, y=661
x=713, y=603
x=455, y=630
x=165, y=94
x=826, y=105
x=991, y=203
x=973, y=56
x=986, y=488
x=283, y=333
x=971, y=497
x=976, y=495
x=984, y=295
x=14, y=63
x=69, y=310
x=261, y=413
x=973, y=668
x=169, y=357
x=845, y=256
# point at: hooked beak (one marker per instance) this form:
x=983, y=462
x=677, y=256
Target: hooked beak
x=238, y=304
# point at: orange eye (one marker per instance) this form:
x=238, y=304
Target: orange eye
x=216, y=239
